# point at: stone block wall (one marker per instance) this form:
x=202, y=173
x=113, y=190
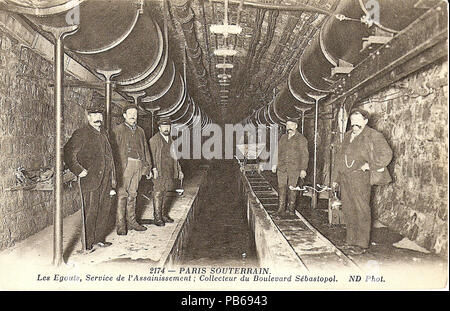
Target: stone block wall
x=27, y=137
x=415, y=123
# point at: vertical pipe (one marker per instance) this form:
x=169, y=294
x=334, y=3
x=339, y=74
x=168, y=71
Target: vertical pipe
x=108, y=105
x=108, y=74
x=59, y=114
x=316, y=119
x=58, y=34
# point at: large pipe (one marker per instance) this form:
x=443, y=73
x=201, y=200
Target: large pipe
x=59, y=34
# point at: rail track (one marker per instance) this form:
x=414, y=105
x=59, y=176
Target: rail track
x=314, y=250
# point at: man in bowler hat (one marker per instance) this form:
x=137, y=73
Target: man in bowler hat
x=88, y=155
x=166, y=169
x=363, y=149
x=132, y=158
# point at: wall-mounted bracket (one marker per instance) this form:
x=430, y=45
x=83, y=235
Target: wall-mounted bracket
x=343, y=67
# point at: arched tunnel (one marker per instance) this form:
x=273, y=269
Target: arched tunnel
x=266, y=102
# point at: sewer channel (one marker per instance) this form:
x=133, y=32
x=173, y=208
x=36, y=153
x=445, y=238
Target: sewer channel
x=221, y=235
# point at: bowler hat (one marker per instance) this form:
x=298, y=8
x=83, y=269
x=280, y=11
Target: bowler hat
x=95, y=109
x=164, y=121
x=289, y=119
x=361, y=111
x=128, y=106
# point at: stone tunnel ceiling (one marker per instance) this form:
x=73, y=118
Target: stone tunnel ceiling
x=269, y=45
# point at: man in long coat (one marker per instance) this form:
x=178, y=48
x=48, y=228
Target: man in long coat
x=132, y=158
x=363, y=149
x=88, y=155
x=166, y=169
x=292, y=162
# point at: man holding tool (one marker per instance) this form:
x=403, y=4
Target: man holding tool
x=88, y=155
x=166, y=169
x=132, y=162
x=292, y=161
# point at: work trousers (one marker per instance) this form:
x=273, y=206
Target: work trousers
x=98, y=212
x=355, y=195
x=287, y=178
x=160, y=187
x=130, y=180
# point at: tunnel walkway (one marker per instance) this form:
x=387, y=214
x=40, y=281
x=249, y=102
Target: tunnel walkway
x=382, y=250
x=221, y=234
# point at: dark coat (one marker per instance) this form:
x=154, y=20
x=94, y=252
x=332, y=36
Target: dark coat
x=86, y=149
x=369, y=146
x=293, y=153
x=120, y=146
x=156, y=143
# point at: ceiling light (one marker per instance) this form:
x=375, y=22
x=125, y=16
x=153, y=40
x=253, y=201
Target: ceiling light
x=225, y=52
x=225, y=29
x=223, y=76
x=224, y=66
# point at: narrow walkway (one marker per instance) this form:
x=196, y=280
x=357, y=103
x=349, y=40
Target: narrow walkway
x=381, y=252
x=221, y=235
x=148, y=248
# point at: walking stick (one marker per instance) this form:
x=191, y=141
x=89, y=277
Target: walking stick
x=83, y=219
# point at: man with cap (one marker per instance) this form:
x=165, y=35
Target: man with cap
x=132, y=158
x=292, y=162
x=363, y=149
x=88, y=155
x=166, y=169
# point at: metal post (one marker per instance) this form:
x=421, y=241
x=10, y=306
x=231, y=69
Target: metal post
x=108, y=74
x=152, y=111
x=136, y=96
x=302, y=111
x=317, y=98
x=58, y=34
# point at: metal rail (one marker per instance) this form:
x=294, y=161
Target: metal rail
x=267, y=197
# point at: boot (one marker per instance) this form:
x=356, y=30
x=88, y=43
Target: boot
x=121, y=223
x=291, y=204
x=157, y=209
x=165, y=212
x=281, y=202
x=131, y=217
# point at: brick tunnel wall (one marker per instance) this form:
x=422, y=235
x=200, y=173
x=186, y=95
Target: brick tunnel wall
x=416, y=127
x=27, y=137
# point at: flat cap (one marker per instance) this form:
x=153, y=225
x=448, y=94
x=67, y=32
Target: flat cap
x=361, y=111
x=164, y=121
x=128, y=106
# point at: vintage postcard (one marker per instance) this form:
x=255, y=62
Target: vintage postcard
x=280, y=145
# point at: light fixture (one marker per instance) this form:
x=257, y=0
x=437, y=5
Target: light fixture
x=224, y=66
x=224, y=76
x=225, y=29
x=225, y=52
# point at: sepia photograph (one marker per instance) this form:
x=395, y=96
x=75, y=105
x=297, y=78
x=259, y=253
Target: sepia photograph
x=224, y=145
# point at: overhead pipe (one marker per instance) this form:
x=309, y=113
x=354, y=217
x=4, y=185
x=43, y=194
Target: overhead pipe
x=278, y=7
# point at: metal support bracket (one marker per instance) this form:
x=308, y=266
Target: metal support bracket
x=369, y=41
x=343, y=67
